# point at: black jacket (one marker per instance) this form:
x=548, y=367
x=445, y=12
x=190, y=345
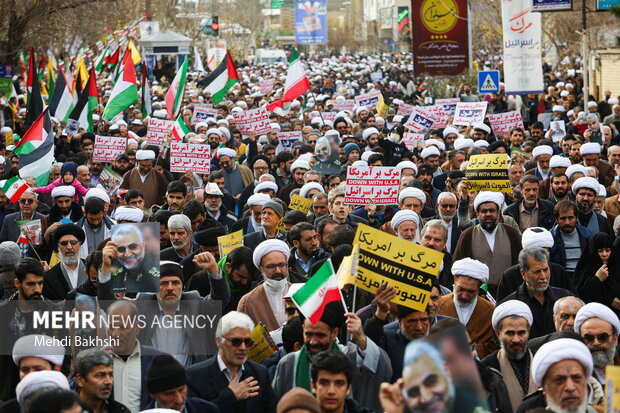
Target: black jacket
x=193, y=405
x=546, y=219
x=295, y=266
x=511, y=280
x=55, y=286
x=392, y=341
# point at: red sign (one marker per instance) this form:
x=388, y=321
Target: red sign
x=440, y=37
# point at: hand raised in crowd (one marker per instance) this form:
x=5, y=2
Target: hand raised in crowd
x=462, y=190
x=385, y=294
x=391, y=397
x=354, y=326
x=245, y=388
x=615, y=303
x=206, y=261
x=109, y=255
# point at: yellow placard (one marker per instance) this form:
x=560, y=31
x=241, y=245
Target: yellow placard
x=53, y=260
x=407, y=266
x=300, y=203
x=488, y=173
x=264, y=346
x=229, y=242
x=612, y=389
x=348, y=269
x=382, y=108
x=9, y=139
x=280, y=226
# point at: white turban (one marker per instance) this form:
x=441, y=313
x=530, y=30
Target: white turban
x=590, y=148
x=366, y=155
x=300, y=164
x=268, y=246
x=411, y=192
x=488, y=196
x=558, y=108
x=483, y=127
x=437, y=143
x=480, y=143
x=226, y=152
x=571, y=170
x=305, y=157
x=160, y=113
x=602, y=191
x=558, y=161
x=128, y=213
x=559, y=350
x=213, y=131
x=258, y=200
x=360, y=109
x=537, y=237
x=450, y=131
x=542, y=150
x=596, y=310
x=201, y=125
x=471, y=268
x=63, y=190
x=97, y=193
x=407, y=165
x=360, y=162
x=38, y=380
x=397, y=119
x=429, y=151
x=369, y=131
x=143, y=155
x=592, y=104
x=405, y=215
x=28, y=346
x=303, y=192
x=585, y=182
x=266, y=185
x=511, y=308
x=275, y=126
x=463, y=143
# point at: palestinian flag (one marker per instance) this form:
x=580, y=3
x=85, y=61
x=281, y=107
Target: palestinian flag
x=101, y=59
x=174, y=95
x=317, y=292
x=179, y=129
x=35, y=100
x=61, y=101
x=125, y=91
x=222, y=79
x=146, y=94
x=296, y=83
x=112, y=61
x=14, y=188
x=87, y=102
x=36, y=149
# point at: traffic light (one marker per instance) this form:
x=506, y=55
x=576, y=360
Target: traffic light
x=215, y=26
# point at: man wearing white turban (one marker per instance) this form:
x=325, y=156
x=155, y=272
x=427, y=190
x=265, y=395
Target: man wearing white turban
x=472, y=311
x=236, y=177
x=265, y=303
x=585, y=190
x=152, y=183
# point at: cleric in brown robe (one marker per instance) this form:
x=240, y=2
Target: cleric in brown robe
x=144, y=177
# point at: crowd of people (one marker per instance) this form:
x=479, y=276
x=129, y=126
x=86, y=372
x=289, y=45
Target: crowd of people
x=529, y=283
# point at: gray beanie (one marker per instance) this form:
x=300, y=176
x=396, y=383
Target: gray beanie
x=10, y=253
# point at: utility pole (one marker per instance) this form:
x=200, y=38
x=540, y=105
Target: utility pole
x=584, y=57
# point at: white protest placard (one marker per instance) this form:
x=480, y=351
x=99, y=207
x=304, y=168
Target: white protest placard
x=369, y=99
x=288, y=139
x=440, y=115
x=413, y=140
x=329, y=116
x=344, y=104
x=420, y=121
x=469, y=113
x=107, y=148
x=195, y=157
x=503, y=123
x=376, y=77
x=202, y=112
x=378, y=184
x=557, y=129
x=254, y=121
x=266, y=86
x=449, y=105
x=157, y=130
x=405, y=109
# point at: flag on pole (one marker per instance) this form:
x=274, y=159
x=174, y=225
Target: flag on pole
x=62, y=101
x=198, y=66
x=180, y=129
x=80, y=80
x=125, y=91
x=174, y=95
x=14, y=188
x=101, y=59
x=317, y=292
x=382, y=108
x=49, y=78
x=135, y=55
x=112, y=61
x=297, y=83
x=146, y=94
x=35, y=100
x=222, y=79
x=36, y=149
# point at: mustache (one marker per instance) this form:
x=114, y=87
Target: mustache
x=429, y=404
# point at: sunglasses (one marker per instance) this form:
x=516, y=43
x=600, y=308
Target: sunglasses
x=290, y=310
x=602, y=338
x=236, y=342
x=130, y=246
x=26, y=201
x=73, y=242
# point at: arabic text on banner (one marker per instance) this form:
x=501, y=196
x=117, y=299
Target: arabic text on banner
x=522, y=47
x=288, y=139
x=229, y=242
x=107, y=148
x=369, y=99
x=449, y=105
x=372, y=183
x=469, y=113
x=344, y=104
x=300, y=203
x=420, y=120
x=407, y=266
x=157, y=130
x=612, y=388
x=263, y=347
x=266, y=86
x=202, y=112
x=193, y=157
x=488, y=173
x=503, y=123
x=405, y=109
x=413, y=140
x=254, y=121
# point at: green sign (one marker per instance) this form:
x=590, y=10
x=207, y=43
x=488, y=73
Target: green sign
x=275, y=4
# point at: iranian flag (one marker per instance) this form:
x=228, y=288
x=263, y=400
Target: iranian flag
x=320, y=290
x=296, y=83
x=174, y=95
x=221, y=79
x=14, y=188
x=179, y=129
x=125, y=91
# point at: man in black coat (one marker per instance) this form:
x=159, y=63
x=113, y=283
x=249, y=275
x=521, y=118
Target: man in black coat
x=230, y=380
x=70, y=272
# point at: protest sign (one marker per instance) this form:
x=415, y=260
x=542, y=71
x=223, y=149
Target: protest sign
x=378, y=184
x=254, y=121
x=107, y=148
x=110, y=180
x=229, y=242
x=557, y=129
x=405, y=109
x=72, y=127
x=376, y=77
x=328, y=116
x=300, y=203
x=407, y=266
x=288, y=139
x=266, y=86
x=344, y=104
x=195, y=157
x=30, y=232
x=503, y=123
x=202, y=112
x=488, y=173
x=449, y=105
x=420, y=121
x=612, y=388
x=413, y=140
x=369, y=99
x=157, y=131
x=469, y=113
x=263, y=346
x=439, y=114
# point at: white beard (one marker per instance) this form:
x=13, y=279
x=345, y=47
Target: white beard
x=554, y=407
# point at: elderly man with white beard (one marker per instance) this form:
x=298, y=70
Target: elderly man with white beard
x=62, y=278
x=599, y=326
x=180, y=231
x=447, y=204
x=405, y=224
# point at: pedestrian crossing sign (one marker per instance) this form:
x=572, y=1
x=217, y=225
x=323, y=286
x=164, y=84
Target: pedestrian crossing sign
x=488, y=81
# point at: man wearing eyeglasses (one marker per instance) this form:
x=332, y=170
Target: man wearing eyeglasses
x=599, y=326
x=231, y=381
x=71, y=272
x=27, y=211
